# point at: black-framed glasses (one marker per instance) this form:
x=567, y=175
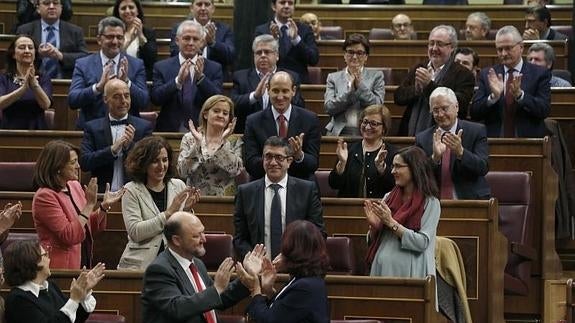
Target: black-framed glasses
x=261, y=52
x=112, y=37
x=404, y=25
x=278, y=158
x=371, y=123
x=47, y=3
x=359, y=53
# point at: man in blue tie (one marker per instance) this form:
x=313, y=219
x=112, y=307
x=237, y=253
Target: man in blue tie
x=107, y=140
x=61, y=42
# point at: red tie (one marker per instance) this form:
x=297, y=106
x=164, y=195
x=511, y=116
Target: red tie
x=510, y=106
x=282, y=126
x=446, y=182
x=210, y=316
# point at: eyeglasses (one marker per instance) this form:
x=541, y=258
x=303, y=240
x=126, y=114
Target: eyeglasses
x=506, y=48
x=404, y=25
x=398, y=166
x=371, y=123
x=47, y=3
x=112, y=37
x=438, y=110
x=437, y=43
x=278, y=158
x=264, y=51
x=359, y=53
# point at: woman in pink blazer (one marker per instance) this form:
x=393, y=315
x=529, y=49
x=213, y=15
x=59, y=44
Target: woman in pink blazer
x=66, y=216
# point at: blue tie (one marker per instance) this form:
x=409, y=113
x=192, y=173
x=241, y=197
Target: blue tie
x=51, y=64
x=276, y=221
x=285, y=42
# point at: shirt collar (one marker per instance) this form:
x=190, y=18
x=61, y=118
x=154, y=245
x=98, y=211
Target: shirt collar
x=273, y=70
x=114, y=119
x=185, y=263
x=182, y=59
x=453, y=128
x=517, y=67
x=194, y=19
x=34, y=288
x=45, y=25
x=105, y=59
x=282, y=182
x=286, y=114
x=279, y=23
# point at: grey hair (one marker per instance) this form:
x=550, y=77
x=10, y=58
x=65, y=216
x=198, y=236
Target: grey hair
x=443, y=91
x=452, y=34
x=191, y=23
x=110, y=22
x=483, y=18
x=548, y=51
x=265, y=38
x=506, y=30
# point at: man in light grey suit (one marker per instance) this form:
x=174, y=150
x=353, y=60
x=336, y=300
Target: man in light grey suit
x=352, y=89
x=63, y=45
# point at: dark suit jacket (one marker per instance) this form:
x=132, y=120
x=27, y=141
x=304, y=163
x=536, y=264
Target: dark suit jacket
x=168, y=296
x=555, y=35
x=96, y=156
x=245, y=82
x=223, y=51
x=302, y=203
x=468, y=174
x=261, y=125
x=299, y=56
x=23, y=306
x=177, y=108
x=416, y=117
x=304, y=300
x=87, y=72
x=530, y=112
x=149, y=52
x=72, y=44
x=26, y=12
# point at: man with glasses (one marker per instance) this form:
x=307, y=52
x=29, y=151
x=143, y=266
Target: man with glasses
x=513, y=97
x=263, y=208
x=250, y=86
x=61, y=42
x=401, y=27
x=458, y=149
x=299, y=126
x=477, y=26
x=422, y=79
x=92, y=72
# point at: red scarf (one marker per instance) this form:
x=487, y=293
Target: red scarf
x=407, y=213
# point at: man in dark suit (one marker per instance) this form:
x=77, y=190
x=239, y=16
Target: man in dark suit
x=513, y=97
x=249, y=91
x=422, y=79
x=219, y=45
x=286, y=120
x=92, y=72
x=297, y=44
x=177, y=287
x=538, y=25
x=458, y=149
x=260, y=216
x=184, y=82
x=107, y=140
x=61, y=42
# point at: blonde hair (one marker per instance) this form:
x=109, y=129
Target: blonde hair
x=210, y=103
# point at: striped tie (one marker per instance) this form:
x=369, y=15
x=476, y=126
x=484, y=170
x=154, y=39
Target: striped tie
x=51, y=64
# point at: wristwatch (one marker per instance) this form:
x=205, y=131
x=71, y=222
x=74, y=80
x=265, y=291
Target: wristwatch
x=395, y=227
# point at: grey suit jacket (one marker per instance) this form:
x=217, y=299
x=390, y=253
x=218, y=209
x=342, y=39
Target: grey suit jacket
x=144, y=224
x=339, y=97
x=72, y=44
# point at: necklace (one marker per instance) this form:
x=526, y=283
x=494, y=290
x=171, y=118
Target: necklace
x=367, y=148
x=18, y=80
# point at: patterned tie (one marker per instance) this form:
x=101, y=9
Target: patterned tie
x=210, y=316
x=276, y=221
x=51, y=64
x=285, y=42
x=113, y=66
x=282, y=126
x=265, y=96
x=510, y=107
x=446, y=182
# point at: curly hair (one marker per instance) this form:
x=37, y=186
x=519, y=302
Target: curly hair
x=21, y=260
x=143, y=154
x=304, y=250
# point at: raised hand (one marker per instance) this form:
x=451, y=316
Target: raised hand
x=177, y=203
x=453, y=142
x=438, y=145
x=515, y=86
x=373, y=219
x=296, y=144
x=78, y=287
x=107, y=74
x=380, y=159
x=112, y=197
x=9, y=215
x=123, y=70
x=94, y=276
x=250, y=281
x=292, y=29
x=268, y=275
x=222, y=277
x=91, y=193
x=193, y=198
x=210, y=29
x=275, y=30
x=531, y=34
x=195, y=133
x=422, y=77
x=496, y=84
x=254, y=259
x=199, y=68
x=229, y=130
x=262, y=85
x=184, y=72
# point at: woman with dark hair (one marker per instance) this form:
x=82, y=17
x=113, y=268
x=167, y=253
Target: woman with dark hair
x=33, y=298
x=151, y=198
x=139, y=41
x=365, y=169
x=210, y=158
x=66, y=216
x=403, y=224
x=352, y=89
x=24, y=95
x=304, y=298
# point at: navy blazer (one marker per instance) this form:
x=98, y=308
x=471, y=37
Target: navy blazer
x=176, y=108
x=87, y=72
x=303, y=301
x=302, y=203
x=531, y=111
x=467, y=173
x=261, y=125
x=222, y=51
x=168, y=295
x=72, y=44
x=299, y=56
x=149, y=51
x=245, y=82
x=96, y=156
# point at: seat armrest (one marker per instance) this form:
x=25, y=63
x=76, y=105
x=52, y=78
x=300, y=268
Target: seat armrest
x=523, y=251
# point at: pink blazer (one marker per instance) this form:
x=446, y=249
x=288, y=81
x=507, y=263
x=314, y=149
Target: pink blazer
x=57, y=224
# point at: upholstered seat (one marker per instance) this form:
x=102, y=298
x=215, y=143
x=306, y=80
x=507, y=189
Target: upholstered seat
x=564, y=74
x=218, y=247
x=322, y=177
x=314, y=75
x=17, y=176
x=231, y=319
x=105, y=318
x=331, y=32
x=513, y=191
x=341, y=257
x=384, y=34
x=13, y=237
x=564, y=29
x=150, y=116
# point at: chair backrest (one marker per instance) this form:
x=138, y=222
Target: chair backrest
x=231, y=319
x=13, y=237
x=564, y=74
x=17, y=176
x=49, y=118
x=314, y=75
x=564, y=29
x=218, y=247
x=341, y=257
x=331, y=32
x=150, y=116
x=105, y=318
x=322, y=178
x=490, y=35
x=387, y=74
x=380, y=34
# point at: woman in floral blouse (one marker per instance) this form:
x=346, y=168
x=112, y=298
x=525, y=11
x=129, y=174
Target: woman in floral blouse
x=210, y=159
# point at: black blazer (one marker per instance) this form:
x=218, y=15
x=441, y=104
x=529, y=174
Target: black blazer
x=149, y=52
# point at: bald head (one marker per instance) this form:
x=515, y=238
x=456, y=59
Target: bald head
x=281, y=90
x=312, y=21
x=185, y=235
x=117, y=98
x=401, y=27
